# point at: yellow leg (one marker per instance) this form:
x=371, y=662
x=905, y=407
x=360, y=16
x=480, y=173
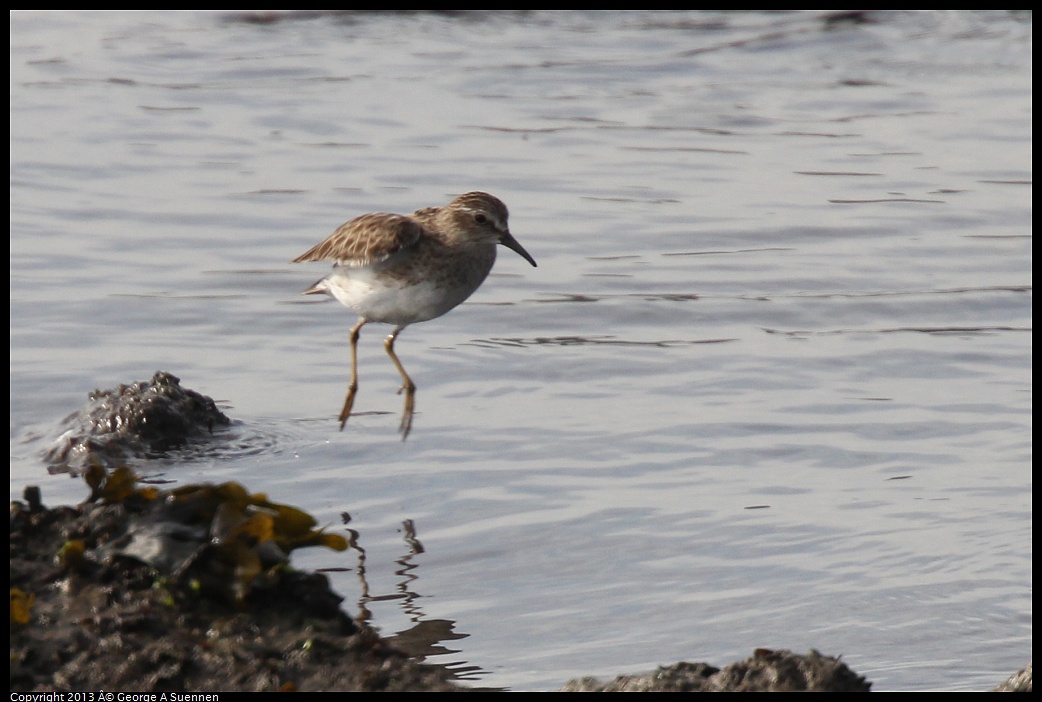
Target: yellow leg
x=407, y=385
x=353, y=387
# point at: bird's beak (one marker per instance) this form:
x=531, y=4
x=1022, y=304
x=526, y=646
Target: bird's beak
x=511, y=243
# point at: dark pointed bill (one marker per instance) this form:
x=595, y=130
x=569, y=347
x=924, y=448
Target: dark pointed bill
x=511, y=243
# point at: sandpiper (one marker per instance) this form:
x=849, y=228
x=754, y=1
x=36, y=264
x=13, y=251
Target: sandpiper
x=402, y=269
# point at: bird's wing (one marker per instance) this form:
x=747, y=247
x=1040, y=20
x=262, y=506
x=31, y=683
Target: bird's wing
x=365, y=240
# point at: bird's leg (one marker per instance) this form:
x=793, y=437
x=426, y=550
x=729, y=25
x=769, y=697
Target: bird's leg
x=353, y=387
x=407, y=385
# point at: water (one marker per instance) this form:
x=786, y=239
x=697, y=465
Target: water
x=769, y=386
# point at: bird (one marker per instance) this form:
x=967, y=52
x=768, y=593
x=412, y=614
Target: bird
x=403, y=269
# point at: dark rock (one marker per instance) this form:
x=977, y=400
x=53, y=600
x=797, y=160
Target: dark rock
x=99, y=618
x=1018, y=682
x=765, y=671
x=138, y=420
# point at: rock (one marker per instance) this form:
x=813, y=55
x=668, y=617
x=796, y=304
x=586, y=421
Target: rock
x=765, y=671
x=87, y=614
x=137, y=420
x=1018, y=682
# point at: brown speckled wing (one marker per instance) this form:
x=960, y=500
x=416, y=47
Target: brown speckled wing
x=364, y=240
x=427, y=214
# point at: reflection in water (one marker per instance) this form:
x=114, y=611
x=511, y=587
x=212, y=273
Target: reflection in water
x=426, y=638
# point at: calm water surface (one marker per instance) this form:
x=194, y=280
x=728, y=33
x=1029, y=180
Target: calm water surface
x=769, y=386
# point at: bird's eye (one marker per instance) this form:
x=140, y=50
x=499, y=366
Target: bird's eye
x=480, y=218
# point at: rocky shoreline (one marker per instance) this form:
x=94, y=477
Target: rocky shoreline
x=125, y=592
x=139, y=589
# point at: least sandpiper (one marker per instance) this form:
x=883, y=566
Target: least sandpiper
x=403, y=269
